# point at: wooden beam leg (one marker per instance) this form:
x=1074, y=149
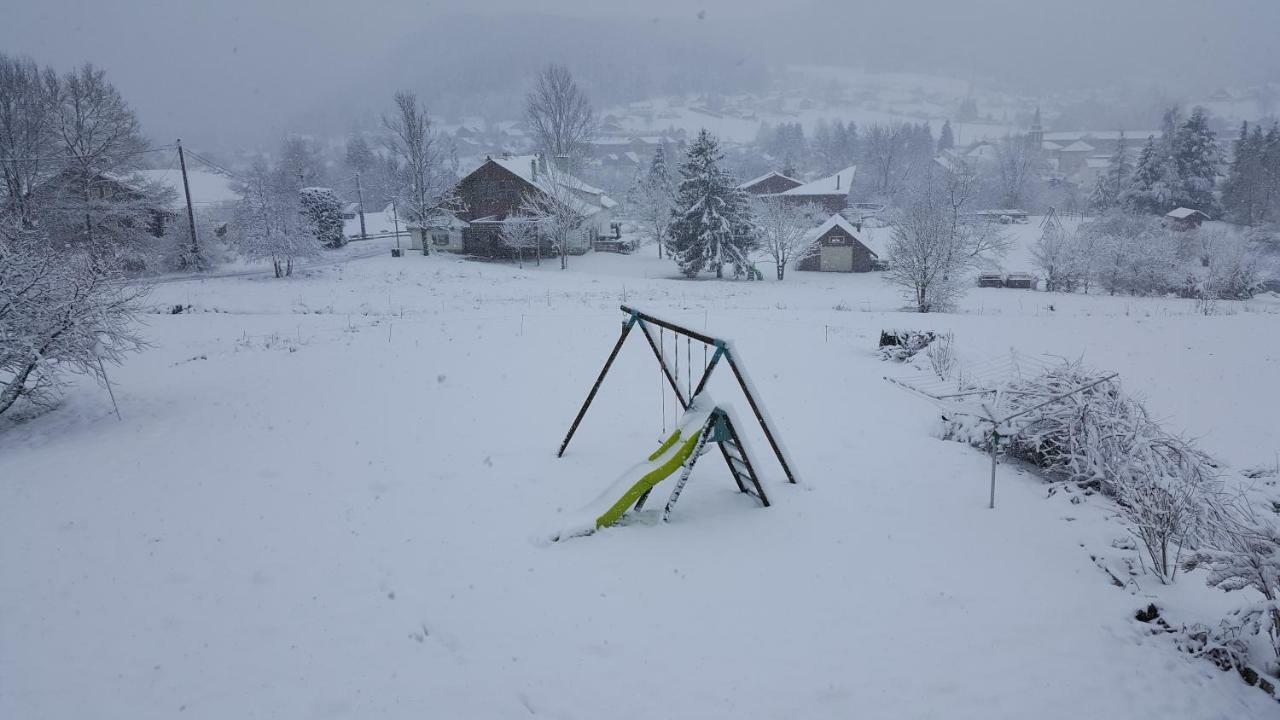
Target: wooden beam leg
x=626, y=329
x=755, y=408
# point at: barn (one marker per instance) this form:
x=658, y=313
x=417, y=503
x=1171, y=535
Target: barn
x=836, y=248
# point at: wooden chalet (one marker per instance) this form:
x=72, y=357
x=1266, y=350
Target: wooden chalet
x=830, y=193
x=1184, y=218
x=838, y=249
x=495, y=191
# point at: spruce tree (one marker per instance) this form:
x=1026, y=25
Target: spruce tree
x=711, y=223
x=946, y=139
x=1197, y=156
x=1155, y=181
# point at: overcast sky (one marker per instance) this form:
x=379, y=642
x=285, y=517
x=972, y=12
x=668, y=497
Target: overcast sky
x=245, y=70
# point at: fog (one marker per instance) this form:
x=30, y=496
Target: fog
x=242, y=72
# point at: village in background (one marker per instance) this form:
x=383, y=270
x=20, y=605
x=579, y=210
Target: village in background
x=278, y=421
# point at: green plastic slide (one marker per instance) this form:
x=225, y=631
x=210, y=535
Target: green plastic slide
x=676, y=450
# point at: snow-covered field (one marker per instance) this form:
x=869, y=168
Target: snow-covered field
x=329, y=497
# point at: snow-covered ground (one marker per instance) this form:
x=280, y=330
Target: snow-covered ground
x=330, y=496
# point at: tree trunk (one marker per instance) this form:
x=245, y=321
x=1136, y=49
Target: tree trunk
x=781, y=269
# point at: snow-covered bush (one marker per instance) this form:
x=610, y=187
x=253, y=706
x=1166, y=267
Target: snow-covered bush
x=1163, y=486
x=322, y=215
x=1245, y=553
x=902, y=345
x=943, y=359
x=59, y=312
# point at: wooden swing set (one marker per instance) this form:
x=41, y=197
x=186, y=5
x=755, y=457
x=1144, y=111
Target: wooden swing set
x=719, y=427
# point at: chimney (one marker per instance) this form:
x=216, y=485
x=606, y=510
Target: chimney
x=533, y=167
x=562, y=163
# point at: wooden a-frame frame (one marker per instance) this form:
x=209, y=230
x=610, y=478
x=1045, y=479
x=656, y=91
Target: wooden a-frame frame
x=644, y=320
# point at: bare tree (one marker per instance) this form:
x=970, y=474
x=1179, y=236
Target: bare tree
x=1055, y=253
x=653, y=199
x=1015, y=163
x=884, y=150
x=785, y=230
x=58, y=312
x=26, y=138
x=560, y=116
x=425, y=185
x=935, y=244
x=557, y=211
x=100, y=140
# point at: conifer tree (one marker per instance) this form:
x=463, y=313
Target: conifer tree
x=1197, y=155
x=1156, y=186
x=654, y=198
x=711, y=222
x=946, y=139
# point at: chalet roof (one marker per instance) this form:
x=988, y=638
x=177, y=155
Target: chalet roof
x=766, y=176
x=1079, y=146
x=837, y=184
x=837, y=221
x=590, y=199
x=1183, y=213
x=1050, y=145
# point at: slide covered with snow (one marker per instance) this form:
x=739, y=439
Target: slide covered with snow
x=623, y=493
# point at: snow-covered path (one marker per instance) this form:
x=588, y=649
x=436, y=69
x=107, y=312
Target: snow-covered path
x=327, y=499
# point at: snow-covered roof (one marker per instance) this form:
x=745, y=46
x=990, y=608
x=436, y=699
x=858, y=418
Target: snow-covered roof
x=207, y=188
x=766, y=176
x=835, y=221
x=1079, y=146
x=837, y=184
x=590, y=199
x=1050, y=145
x=1098, y=163
x=1183, y=213
x=1067, y=137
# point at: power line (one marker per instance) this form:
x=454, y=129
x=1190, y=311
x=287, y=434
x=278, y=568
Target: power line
x=216, y=166
x=72, y=157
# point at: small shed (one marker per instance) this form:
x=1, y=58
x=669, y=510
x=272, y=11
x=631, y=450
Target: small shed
x=991, y=280
x=836, y=248
x=1185, y=218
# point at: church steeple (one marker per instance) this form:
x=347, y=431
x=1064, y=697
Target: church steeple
x=1036, y=136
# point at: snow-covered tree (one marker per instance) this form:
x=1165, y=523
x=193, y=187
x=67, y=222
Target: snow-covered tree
x=711, y=222
x=557, y=212
x=322, y=215
x=60, y=312
x=785, y=230
x=301, y=163
x=654, y=197
x=935, y=243
x=560, y=117
x=1112, y=183
x=425, y=183
x=1198, y=158
x=268, y=222
x=522, y=234
x=1156, y=187
x=27, y=142
x=359, y=157
x=1056, y=255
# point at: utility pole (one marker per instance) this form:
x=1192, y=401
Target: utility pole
x=396, y=219
x=191, y=213
x=360, y=198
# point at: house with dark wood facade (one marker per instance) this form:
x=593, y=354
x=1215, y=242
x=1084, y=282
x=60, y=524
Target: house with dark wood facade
x=771, y=183
x=495, y=191
x=830, y=193
x=836, y=248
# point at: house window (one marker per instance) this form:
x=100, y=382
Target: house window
x=439, y=238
